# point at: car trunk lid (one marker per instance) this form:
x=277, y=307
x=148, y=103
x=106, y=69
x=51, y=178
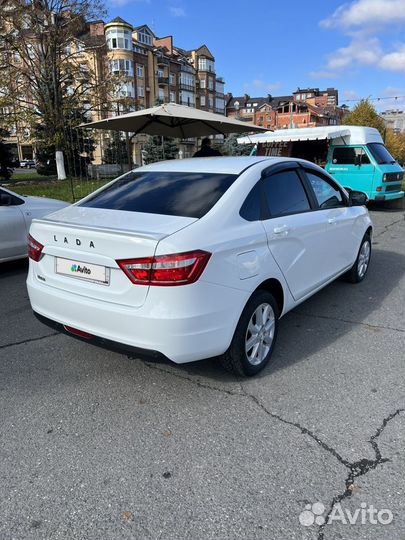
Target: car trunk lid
x=82, y=245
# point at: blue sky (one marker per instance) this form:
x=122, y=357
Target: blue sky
x=267, y=46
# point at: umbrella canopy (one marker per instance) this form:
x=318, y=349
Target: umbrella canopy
x=172, y=120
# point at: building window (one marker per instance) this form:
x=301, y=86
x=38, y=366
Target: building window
x=139, y=50
x=160, y=73
x=127, y=90
x=203, y=83
x=144, y=37
x=141, y=91
x=210, y=84
x=187, y=79
x=173, y=97
x=140, y=70
x=161, y=94
x=119, y=66
x=172, y=78
x=210, y=102
x=187, y=98
x=220, y=104
x=204, y=64
x=202, y=101
x=220, y=87
x=117, y=38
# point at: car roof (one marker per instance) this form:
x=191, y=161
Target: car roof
x=220, y=164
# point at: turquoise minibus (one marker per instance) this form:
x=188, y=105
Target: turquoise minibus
x=355, y=155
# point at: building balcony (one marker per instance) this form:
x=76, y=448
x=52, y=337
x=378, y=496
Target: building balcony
x=182, y=102
x=162, y=61
x=163, y=80
x=188, y=87
x=187, y=69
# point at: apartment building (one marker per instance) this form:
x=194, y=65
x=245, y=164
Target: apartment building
x=308, y=107
x=151, y=71
x=394, y=119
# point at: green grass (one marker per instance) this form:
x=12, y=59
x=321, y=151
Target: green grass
x=31, y=176
x=58, y=189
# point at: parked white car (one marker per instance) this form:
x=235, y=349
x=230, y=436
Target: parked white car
x=16, y=214
x=197, y=258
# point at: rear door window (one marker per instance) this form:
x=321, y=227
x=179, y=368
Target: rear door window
x=285, y=194
x=169, y=193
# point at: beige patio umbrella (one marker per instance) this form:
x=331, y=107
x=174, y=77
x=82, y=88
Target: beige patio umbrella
x=172, y=120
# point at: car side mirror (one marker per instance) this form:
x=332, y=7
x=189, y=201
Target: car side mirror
x=5, y=199
x=358, y=198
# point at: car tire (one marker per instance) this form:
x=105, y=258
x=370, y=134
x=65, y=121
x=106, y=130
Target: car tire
x=360, y=268
x=255, y=336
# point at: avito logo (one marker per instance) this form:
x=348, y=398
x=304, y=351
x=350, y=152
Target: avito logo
x=80, y=269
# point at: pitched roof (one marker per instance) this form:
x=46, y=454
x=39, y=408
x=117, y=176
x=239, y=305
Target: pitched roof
x=119, y=20
x=249, y=102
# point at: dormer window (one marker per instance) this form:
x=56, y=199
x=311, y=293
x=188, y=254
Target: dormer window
x=144, y=37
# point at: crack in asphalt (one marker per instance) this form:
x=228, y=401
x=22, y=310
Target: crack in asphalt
x=189, y=379
x=359, y=468
x=27, y=340
x=375, y=326
x=356, y=469
x=387, y=227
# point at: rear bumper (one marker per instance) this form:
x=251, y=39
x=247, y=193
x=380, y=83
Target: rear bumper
x=105, y=343
x=183, y=324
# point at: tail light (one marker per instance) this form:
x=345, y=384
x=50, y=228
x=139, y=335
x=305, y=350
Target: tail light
x=34, y=249
x=166, y=270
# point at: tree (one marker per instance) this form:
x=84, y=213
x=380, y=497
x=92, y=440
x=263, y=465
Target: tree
x=42, y=66
x=116, y=151
x=364, y=114
x=77, y=141
x=6, y=158
x=159, y=148
x=395, y=142
x=232, y=148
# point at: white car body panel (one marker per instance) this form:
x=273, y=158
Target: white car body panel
x=198, y=320
x=15, y=221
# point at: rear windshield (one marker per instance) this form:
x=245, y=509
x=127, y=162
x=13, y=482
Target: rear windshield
x=170, y=193
x=380, y=153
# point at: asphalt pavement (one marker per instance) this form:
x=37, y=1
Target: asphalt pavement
x=96, y=444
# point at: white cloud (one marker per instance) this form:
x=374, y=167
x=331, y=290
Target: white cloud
x=394, y=61
x=350, y=94
x=323, y=74
x=177, y=11
x=261, y=86
x=120, y=3
x=364, y=51
x=362, y=21
x=365, y=13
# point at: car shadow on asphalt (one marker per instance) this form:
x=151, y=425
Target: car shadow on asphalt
x=345, y=304
x=10, y=268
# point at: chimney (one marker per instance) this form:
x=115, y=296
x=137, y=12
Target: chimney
x=97, y=28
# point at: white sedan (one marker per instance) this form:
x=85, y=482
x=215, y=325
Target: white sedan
x=197, y=258
x=16, y=214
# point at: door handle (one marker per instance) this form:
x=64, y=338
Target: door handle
x=332, y=220
x=283, y=229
